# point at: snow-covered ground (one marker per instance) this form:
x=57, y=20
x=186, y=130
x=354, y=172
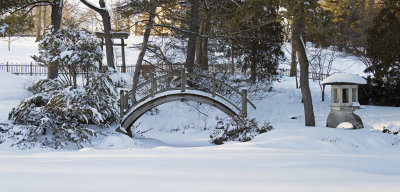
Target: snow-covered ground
x=176, y=154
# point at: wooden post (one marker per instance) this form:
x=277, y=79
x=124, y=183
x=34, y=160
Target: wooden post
x=244, y=103
x=153, y=86
x=183, y=79
x=123, y=70
x=31, y=69
x=214, y=84
x=126, y=99
x=7, y=66
x=122, y=103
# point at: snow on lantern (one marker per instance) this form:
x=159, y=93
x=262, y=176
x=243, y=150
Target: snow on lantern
x=344, y=92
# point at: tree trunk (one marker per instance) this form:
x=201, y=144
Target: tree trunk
x=293, y=65
x=194, y=28
x=39, y=23
x=105, y=16
x=204, y=42
x=44, y=19
x=56, y=15
x=146, y=35
x=199, y=49
x=304, y=65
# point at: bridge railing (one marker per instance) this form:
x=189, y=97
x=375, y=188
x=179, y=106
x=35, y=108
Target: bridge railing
x=186, y=81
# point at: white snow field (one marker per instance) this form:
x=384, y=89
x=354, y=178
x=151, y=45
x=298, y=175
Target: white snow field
x=175, y=154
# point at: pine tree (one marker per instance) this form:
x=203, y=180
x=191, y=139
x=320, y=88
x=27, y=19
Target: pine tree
x=351, y=19
x=17, y=23
x=255, y=33
x=383, y=42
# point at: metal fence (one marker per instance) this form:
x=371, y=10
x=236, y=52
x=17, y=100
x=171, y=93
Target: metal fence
x=23, y=68
x=36, y=69
x=311, y=75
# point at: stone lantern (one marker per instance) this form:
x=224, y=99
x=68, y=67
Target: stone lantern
x=344, y=92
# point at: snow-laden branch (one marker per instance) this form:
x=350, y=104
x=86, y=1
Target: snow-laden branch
x=33, y=4
x=94, y=7
x=180, y=29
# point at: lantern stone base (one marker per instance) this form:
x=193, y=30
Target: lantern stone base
x=337, y=117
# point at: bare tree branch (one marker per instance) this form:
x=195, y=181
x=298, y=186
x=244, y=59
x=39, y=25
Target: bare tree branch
x=91, y=6
x=35, y=5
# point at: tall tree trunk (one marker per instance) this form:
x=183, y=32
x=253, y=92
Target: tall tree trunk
x=199, y=45
x=194, y=28
x=44, y=19
x=204, y=42
x=304, y=65
x=105, y=16
x=293, y=64
x=39, y=23
x=199, y=39
x=146, y=35
x=56, y=15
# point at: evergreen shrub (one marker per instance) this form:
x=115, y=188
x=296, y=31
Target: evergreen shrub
x=237, y=129
x=58, y=115
x=379, y=92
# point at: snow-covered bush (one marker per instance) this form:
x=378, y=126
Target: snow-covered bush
x=72, y=51
x=46, y=85
x=58, y=115
x=237, y=129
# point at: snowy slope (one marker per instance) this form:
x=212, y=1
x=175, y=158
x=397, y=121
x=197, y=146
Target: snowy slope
x=176, y=155
x=12, y=91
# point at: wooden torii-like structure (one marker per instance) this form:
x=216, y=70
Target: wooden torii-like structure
x=116, y=35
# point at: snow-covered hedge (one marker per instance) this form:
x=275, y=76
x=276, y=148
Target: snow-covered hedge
x=58, y=115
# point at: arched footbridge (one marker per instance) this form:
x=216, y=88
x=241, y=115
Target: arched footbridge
x=181, y=87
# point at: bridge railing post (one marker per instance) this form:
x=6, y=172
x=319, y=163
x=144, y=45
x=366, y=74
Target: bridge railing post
x=183, y=79
x=244, y=102
x=214, y=84
x=153, y=89
x=126, y=99
x=121, y=103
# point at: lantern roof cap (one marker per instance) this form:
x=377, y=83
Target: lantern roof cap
x=344, y=78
